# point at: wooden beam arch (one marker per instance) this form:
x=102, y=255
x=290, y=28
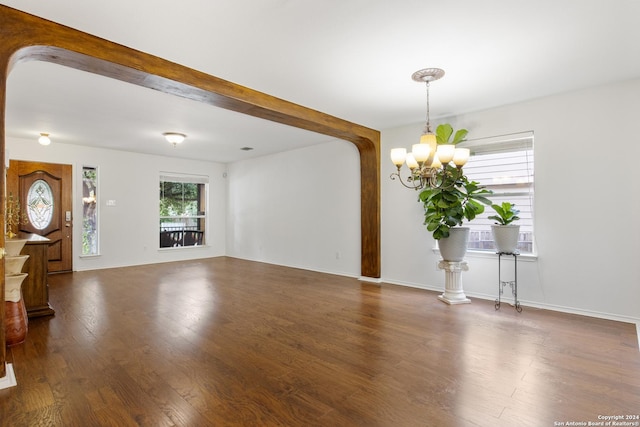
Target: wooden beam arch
x=26, y=37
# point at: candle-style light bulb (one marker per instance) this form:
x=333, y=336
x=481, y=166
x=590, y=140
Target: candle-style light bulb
x=461, y=156
x=445, y=152
x=398, y=155
x=421, y=152
x=436, y=162
x=411, y=161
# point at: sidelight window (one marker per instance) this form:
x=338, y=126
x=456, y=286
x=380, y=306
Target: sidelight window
x=89, y=211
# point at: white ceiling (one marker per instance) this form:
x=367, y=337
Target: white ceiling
x=349, y=58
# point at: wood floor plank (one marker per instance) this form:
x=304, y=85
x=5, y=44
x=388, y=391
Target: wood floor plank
x=227, y=342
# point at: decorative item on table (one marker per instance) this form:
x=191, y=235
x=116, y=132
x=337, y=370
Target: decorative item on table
x=14, y=216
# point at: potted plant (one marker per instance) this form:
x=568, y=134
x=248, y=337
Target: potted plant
x=451, y=201
x=505, y=233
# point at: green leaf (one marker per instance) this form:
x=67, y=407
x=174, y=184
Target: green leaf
x=441, y=232
x=481, y=199
x=443, y=133
x=459, y=136
x=496, y=218
x=498, y=209
x=451, y=197
x=432, y=226
x=470, y=212
x=507, y=213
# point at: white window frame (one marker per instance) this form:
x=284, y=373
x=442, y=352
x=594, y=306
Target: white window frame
x=518, y=174
x=190, y=179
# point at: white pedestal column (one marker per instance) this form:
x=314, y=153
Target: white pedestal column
x=453, y=292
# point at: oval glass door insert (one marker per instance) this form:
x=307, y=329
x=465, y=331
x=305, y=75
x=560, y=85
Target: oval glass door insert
x=40, y=204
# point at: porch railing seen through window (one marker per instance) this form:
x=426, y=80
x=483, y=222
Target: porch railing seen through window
x=182, y=211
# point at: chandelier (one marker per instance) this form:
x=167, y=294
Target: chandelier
x=429, y=161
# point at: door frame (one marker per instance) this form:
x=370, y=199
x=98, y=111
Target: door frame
x=65, y=263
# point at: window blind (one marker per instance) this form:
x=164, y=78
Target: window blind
x=181, y=177
x=504, y=165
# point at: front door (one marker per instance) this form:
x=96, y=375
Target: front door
x=44, y=191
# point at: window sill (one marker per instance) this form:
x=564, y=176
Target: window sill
x=181, y=248
x=493, y=255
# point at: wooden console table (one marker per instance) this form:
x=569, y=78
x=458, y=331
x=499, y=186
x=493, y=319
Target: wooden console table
x=35, y=288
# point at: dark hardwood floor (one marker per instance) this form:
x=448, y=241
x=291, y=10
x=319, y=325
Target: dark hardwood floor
x=226, y=342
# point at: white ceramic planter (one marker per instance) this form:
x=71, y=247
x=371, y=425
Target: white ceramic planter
x=454, y=247
x=13, y=264
x=506, y=237
x=14, y=246
x=12, y=287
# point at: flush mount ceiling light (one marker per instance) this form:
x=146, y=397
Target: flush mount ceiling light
x=174, y=137
x=44, y=139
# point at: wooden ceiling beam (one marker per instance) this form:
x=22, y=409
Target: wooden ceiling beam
x=26, y=37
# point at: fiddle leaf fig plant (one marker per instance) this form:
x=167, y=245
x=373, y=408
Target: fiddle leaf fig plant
x=456, y=199
x=506, y=213
x=452, y=197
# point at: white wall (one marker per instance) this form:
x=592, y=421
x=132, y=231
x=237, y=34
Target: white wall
x=586, y=205
x=129, y=230
x=300, y=209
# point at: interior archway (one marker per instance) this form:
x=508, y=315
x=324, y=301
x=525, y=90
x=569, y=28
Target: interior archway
x=27, y=37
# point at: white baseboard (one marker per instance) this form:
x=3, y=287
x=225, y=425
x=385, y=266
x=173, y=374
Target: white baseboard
x=8, y=380
x=552, y=307
x=376, y=280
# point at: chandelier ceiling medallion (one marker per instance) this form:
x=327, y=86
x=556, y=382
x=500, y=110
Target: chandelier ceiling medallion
x=428, y=160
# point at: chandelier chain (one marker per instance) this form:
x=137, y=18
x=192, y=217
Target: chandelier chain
x=428, y=125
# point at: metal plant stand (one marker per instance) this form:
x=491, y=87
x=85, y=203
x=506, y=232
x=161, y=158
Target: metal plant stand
x=512, y=283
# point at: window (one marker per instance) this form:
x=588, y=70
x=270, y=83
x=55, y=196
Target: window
x=505, y=166
x=183, y=201
x=89, y=211
x=40, y=205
